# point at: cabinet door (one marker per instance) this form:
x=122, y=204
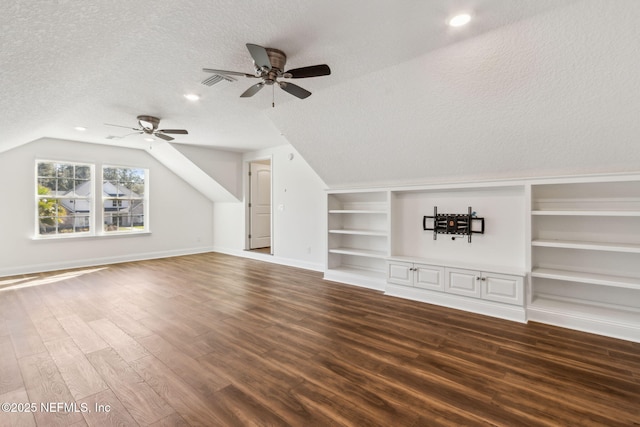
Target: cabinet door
x=502, y=288
x=462, y=282
x=400, y=273
x=429, y=277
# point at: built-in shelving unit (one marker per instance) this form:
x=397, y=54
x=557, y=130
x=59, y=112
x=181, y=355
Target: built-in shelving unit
x=358, y=237
x=585, y=255
x=563, y=251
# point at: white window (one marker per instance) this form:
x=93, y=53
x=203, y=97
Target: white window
x=124, y=199
x=64, y=195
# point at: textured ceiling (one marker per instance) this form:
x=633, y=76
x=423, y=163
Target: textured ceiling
x=67, y=63
x=529, y=85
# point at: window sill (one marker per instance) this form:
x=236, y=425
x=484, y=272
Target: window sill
x=83, y=236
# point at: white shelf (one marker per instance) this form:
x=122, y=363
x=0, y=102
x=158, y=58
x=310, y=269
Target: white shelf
x=356, y=211
x=356, y=271
x=615, y=321
x=594, y=279
x=585, y=213
x=591, y=246
x=359, y=252
x=360, y=232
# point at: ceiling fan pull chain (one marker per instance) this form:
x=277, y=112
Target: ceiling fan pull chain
x=273, y=96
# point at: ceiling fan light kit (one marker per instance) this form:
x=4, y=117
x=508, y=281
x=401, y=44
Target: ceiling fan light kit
x=269, y=66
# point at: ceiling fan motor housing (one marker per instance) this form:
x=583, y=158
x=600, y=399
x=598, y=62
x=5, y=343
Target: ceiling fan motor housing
x=148, y=123
x=278, y=60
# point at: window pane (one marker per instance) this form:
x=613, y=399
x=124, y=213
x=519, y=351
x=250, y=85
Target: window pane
x=123, y=206
x=63, y=191
x=83, y=172
x=83, y=187
x=46, y=169
x=46, y=186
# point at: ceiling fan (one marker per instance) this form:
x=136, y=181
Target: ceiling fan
x=149, y=125
x=269, y=67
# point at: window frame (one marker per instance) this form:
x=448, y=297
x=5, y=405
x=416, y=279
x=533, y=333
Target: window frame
x=90, y=201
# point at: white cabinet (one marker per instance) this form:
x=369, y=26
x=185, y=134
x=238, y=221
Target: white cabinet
x=415, y=275
x=358, y=237
x=585, y=255
x=508, y=289
x=489, y=293
x=502, y=288
x=463, y=282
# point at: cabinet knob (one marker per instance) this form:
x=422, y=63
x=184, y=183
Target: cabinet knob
x=483, y=279
x=478, y=278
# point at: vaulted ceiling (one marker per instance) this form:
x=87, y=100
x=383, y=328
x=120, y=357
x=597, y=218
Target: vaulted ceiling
x=528, y=87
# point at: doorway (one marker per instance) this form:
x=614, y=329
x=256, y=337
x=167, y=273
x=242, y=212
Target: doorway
x=259, y=207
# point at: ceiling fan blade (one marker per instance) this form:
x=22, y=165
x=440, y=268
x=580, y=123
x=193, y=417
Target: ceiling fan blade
x=312, y=71
x=260, y=56
x=252, y=90
x=123, y=136
x=294, y=90
x=163, y=136
x=120, y=126
x=225, y=73
x=174, y=131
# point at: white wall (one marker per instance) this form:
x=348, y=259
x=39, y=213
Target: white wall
x=225, y=167
x=298, y=200
x=502, y=244
x=180, y=217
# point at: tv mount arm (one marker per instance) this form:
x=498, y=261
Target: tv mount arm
x=454, y=224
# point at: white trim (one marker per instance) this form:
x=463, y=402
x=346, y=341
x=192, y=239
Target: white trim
x=270, y=258
x=487, y=308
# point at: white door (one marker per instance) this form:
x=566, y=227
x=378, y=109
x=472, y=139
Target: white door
x=429, y=277
x=260, y=206
x=462, y=282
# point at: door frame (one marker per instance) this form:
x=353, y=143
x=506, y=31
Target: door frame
x=246, y=199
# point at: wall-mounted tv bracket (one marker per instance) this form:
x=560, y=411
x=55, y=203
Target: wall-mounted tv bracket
x=455, y=224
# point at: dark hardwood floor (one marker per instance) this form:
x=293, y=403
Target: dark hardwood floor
x=214, y=340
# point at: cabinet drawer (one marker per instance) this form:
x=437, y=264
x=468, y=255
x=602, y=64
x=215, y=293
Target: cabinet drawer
x=429, y=277
x=502, y=288
x=462, y=282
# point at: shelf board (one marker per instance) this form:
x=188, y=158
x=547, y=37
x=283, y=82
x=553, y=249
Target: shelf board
x=356, y=211
x=594, y=279
x=359, y=252
x=359, y=232
x=585, y=213
x=582, y=308
x=590, y=246
x=357, y=271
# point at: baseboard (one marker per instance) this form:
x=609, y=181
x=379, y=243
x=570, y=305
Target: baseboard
x=93, y=262
x=488, y=308
x=585, y=323
x=270, y=258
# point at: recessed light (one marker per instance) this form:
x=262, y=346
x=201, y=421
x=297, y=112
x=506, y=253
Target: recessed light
x=80, y=128
x=191, y=96
x=460, y=20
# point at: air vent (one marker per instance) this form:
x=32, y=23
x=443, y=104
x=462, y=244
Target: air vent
x=216, y=78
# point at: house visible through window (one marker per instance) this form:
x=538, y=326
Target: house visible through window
x=64, y=198
x=124, y=199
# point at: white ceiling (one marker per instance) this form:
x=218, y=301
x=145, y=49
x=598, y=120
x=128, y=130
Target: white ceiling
x=72, y=63
x=399, y=74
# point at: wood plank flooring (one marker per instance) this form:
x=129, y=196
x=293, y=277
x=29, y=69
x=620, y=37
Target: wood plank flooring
x=215, y=340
